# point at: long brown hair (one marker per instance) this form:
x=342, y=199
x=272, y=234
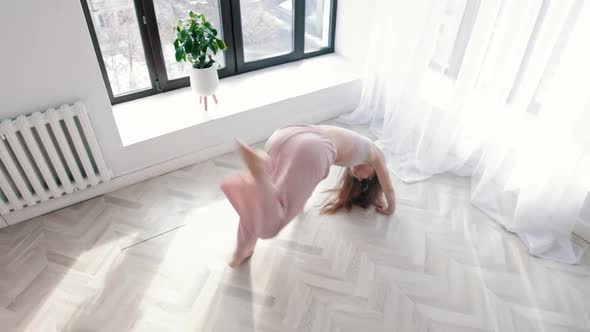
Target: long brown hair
x=353, y=192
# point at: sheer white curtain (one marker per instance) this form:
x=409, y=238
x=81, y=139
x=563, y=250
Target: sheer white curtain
x=497, y=90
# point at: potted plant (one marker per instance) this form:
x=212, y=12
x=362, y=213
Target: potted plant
x=196, y=43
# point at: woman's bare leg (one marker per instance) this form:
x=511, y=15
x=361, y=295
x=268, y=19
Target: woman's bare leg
x=270, y=210
x=256, y=200
x=266, y=199
x=255, y=160
x=248, y=193
x=245, y=247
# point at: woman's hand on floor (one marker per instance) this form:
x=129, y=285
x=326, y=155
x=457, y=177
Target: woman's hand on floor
x=384, y=210
x=383, y=207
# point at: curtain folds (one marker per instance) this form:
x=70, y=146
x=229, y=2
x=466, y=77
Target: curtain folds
x=496, y=90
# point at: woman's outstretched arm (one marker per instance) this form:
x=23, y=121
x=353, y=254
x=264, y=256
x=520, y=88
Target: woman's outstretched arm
x=382, y=172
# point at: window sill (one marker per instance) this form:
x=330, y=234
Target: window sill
x=161, y=114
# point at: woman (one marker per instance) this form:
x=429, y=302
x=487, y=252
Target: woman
x=296, y=159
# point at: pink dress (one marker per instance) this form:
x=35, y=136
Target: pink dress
x=300, y=157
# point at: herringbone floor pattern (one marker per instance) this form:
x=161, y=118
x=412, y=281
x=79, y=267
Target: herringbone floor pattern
x=152, y=257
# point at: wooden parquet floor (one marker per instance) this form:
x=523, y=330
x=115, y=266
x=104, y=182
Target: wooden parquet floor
x=153, y=257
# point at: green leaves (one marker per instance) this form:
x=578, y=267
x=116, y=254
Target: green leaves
x=180, y=54
x=196, y=41
x=188, y=45
x=221, y=44
x=182, y=35
x=213, y=46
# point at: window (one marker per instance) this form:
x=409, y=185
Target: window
x=133, y=38
x=454, y=33
x=102, y=21
x=267, y=28
x=122, y=54
x=317, y=24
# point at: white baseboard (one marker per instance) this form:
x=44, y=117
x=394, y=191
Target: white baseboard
x=582, y=229
x=256, y=133
x=115, y=184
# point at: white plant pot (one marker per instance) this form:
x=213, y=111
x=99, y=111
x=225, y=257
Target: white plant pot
x=204, y=82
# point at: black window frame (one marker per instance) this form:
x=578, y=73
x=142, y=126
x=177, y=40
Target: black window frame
x=235, y=63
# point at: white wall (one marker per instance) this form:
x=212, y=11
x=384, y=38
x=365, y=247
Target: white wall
x=583, y=225
x=353, y=27
x=252, y=126
x=47, y=59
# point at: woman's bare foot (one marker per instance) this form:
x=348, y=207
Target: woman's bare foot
x=237, y=260
x=256, y=161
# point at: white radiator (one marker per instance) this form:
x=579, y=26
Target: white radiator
x=46, y=155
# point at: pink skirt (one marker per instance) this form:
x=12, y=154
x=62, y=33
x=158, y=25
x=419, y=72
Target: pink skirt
x=300, y=158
